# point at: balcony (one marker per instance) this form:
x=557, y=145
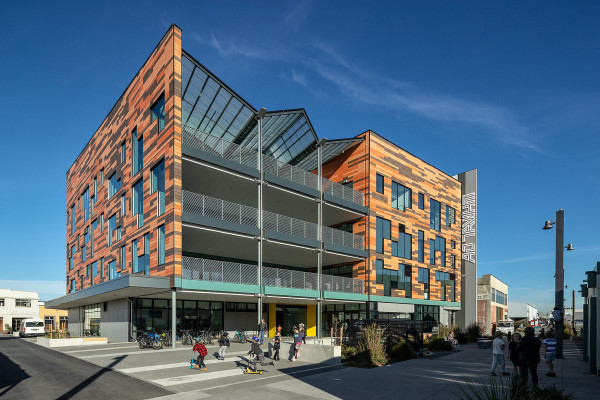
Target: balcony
x=221, y=214
x=302, y=283
x=221, y=152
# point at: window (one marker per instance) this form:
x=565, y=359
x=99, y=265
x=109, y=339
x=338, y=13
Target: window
x=434, y=214
x=447, y=286
x=114, y=185
x=93, y=228
x=102, y=268
x=158, y=112
x=72, y=286
x=123, y=205
x=452, y=244
x=123, y=255
x=430, y=315
x=112, y=226
x=403, y=247
x=401, y=196
x=94, y=271
x=112, y=270
x=137, y=197
x=63, y=322
x=383, y=231
x=81, y=282
x=432, y=251
x=421, y=201
x=71, y=258
x=95, y=188
x=158, y=186
x=450, y=216
x=141, y=263
x=123, y=151
x=102, y=177
x=92, y=204
x=23, y=302
x=161, y=245
x=86, y=239
x=102, y=222
x=452, y=261
x=137, y=153
x=134, y=256
x=423, y=278
x=118, y=233
x=72, y=219
x=85, y=200
x=421, y=246
x=1, y=302
x=379, y=183
x=394, y=279
x=435, y=245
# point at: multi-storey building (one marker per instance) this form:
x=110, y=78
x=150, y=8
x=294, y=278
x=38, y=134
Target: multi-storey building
x=15, y=306
x=176, y=220
x=492, y=303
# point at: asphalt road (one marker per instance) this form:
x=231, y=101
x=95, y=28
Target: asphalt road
x=28, y=371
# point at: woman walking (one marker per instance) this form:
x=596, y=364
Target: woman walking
x=224, y=343
x=513, y=353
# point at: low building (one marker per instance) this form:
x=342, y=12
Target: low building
x=54, y=319
x=16, y=306
x=492, y=303
x=524, y=311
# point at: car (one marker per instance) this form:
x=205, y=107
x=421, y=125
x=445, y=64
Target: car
x=31, y=327
x=505, y=327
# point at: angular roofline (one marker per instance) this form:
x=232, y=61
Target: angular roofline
x=173, y=25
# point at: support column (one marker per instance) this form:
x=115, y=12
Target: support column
x=173, y=317
x=320, y=237
x=584, y=331
x=559, y=283
x=259, y=116
x=593, y=332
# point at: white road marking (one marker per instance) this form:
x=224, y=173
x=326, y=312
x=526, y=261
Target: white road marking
x=140, y=352
x=100, y=349
x=181, y=364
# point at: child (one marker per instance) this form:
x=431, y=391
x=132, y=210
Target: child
x=297, y=343
x=258, y=352
x=224, y=343
x=277, y=345
x=201, y=349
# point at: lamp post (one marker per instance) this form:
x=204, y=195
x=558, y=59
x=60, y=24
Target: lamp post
x=559, y=277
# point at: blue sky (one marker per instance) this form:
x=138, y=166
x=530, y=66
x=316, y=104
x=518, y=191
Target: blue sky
x=511, y=89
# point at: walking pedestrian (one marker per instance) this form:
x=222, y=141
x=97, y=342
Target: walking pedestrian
x=303, y=332
x=276, y=345
x=498, y=354
x=513, y=353
x=224, y=343
x=549, y=350
x=529, y=356
x=297, y=344
x=262, y=328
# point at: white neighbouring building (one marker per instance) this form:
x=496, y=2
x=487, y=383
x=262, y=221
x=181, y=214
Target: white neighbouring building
x=15, y=306
x=519, y=311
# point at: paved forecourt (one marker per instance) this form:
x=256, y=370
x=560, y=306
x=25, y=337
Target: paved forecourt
x=170, y=368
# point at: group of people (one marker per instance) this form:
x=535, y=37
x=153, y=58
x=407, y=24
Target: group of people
x=524, y=354
x=299, y=338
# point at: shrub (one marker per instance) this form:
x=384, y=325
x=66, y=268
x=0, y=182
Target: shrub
x=8, y=328
x=402, y=351
x=460, y=336
x=513, y=390
x=371, y=346
x=348, y=353
x=473, y=332
x=438, y=344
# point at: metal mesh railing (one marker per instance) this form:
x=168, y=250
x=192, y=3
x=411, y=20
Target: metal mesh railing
x=288, y=225
x=211, y=207
x=220, y=147
x=343, y=192
x=342, y=284
x=343, y=238
x=231, y=272
x=286, y=278
x=289, y=172
x=223, y=148
x=219, y=271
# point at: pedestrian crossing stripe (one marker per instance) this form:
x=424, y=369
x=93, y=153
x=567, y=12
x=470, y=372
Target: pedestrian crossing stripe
x=201, y=376
x=147, y=368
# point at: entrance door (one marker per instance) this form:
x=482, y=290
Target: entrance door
x=288, y=317
x=16, y=324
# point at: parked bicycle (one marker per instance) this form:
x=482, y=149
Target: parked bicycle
x=166, y=339
x=239, y=337
x=187, y=339
x=151, y=339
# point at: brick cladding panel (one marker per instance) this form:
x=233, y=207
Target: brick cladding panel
x=161, y=74
x=376, y=155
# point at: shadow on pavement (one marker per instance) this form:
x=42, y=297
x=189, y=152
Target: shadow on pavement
x=10, y=373
x=91, y=379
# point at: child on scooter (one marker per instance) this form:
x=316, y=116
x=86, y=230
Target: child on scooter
x=202, y=352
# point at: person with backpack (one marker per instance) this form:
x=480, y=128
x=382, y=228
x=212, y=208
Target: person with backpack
x=224, y=343
x=276, y=345
x=498, y=354
x=529, y=356
x=549, y=353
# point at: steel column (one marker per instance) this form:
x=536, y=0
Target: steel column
x=559, y=282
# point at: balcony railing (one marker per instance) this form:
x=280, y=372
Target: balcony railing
x=206, y=206
x=231, y=272
x=343, y=238
x=201, y=140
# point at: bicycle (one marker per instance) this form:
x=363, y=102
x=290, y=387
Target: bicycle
x=239, y=337
x=186, y=338
x=166, y=339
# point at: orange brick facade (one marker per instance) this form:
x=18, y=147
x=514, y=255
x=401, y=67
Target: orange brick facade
x=360, y=165
x=160, y=76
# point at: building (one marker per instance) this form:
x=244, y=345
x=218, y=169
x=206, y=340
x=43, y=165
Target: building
x=16, y=306
x=176, y=221
x=577, y=321
x=524, y=311
x=591, y=314
x=54, y=319
x=492, y=303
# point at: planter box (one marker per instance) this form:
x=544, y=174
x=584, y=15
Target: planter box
x=484, y=343
x=47, y=342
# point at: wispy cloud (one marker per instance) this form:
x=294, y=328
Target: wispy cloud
x=366, y=88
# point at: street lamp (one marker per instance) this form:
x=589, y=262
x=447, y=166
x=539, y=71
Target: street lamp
x=559, y=276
